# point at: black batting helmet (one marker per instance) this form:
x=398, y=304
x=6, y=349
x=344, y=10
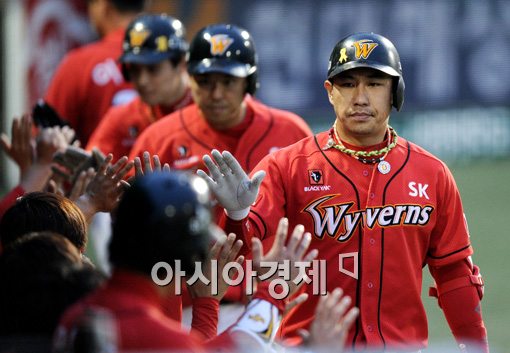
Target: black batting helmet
x=227, y=49
x=163, y=216
x=151, y=38
x=369, y=50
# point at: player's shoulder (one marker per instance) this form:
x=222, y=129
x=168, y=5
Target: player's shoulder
x=421, y=155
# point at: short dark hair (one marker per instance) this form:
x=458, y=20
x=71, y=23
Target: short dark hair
x=129, y=5
x=44, y=211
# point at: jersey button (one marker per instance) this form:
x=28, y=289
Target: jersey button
x=372, y=195
x=372, y=241
x=370, y=328
x=365, y=172
x=370, y=285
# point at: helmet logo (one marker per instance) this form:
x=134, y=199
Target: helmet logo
x=343, y=56
x=162, y=43
x=137, y=37
x=364, y=47
x=220, y=43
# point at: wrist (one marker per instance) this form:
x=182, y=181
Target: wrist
x=86, y=206
x=238, y=215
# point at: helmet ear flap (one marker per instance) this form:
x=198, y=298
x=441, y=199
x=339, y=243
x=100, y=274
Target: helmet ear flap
x=125, y=72
x=253, y=83
x=398, y=93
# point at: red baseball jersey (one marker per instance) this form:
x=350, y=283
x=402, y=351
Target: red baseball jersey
x=182, y=138
x=135, y=304
x=375, y=227
x=121, y=125
x=87, y=82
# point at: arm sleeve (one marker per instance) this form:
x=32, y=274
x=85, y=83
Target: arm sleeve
x=106, y=137
x=449, y=240
x=205, y=317
x=460, y=300
x=63, y=93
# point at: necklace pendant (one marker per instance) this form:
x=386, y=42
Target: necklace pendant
x=384, y=167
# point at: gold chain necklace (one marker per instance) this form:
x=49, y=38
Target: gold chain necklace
x=365, y=156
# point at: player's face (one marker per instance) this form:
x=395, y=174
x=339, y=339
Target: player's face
x=361, y=98
x=220, y=98
x=160, y=83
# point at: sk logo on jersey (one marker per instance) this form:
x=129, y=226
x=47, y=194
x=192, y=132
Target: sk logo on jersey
x=364, y=47
x=336, y=221
x=220, y=43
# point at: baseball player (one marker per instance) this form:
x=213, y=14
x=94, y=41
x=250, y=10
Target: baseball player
x=88, y=80
x=154, y=60
x=223, y=68
x=379, y=208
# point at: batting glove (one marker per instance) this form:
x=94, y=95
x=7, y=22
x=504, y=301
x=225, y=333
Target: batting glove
x=233, y=189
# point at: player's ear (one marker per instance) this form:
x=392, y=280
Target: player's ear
x=329, y=88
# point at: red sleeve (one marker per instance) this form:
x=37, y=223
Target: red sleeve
x=8, y=200
x=63, y=94
x=449, y=240
x=461, y=306
x=205, y=317
x=107, y=136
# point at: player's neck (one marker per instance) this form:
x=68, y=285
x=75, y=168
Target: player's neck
x=361, y=140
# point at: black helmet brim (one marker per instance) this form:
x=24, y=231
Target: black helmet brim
x=220, y=65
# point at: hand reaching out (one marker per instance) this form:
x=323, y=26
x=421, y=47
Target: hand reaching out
x=230, y=184
x=146, y=167
x=20, y=148
x=104, y=190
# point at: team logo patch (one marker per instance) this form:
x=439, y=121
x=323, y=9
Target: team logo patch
x=138, y=36
x=343, y=56
x=364, y=48
x=315, y=177
x=182, y=150
x=220, y=43
x=162, y=44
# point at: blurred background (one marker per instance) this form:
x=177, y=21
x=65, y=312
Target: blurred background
x=455, y=60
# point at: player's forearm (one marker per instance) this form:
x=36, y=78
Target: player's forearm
x=205, y=317
x=459, y=292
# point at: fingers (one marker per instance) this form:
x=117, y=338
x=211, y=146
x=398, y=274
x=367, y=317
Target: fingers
x=157, y=163
x=222, y=165
x=257, y=179
x=166, y=168
x=212, y=167
x=147, y=162
x=300, y=299
x=5, y=143
x=231, y=163
x=295, y=238
x=138, y=167
x=256, y=250
x=281, y=233
x=105, y=165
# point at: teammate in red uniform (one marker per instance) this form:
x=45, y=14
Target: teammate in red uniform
x=378, y=206
x=88, y=80
x=154, y=60
x=223, y=68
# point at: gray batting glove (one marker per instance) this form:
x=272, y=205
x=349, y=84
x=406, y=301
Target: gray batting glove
x=233, y=189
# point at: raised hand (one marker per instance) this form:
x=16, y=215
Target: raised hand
x=293, y=250
x=224, y=251
x=104, y=190
x=331, y=324
x=233, y=189
x=20, y=148
x=146, y=167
